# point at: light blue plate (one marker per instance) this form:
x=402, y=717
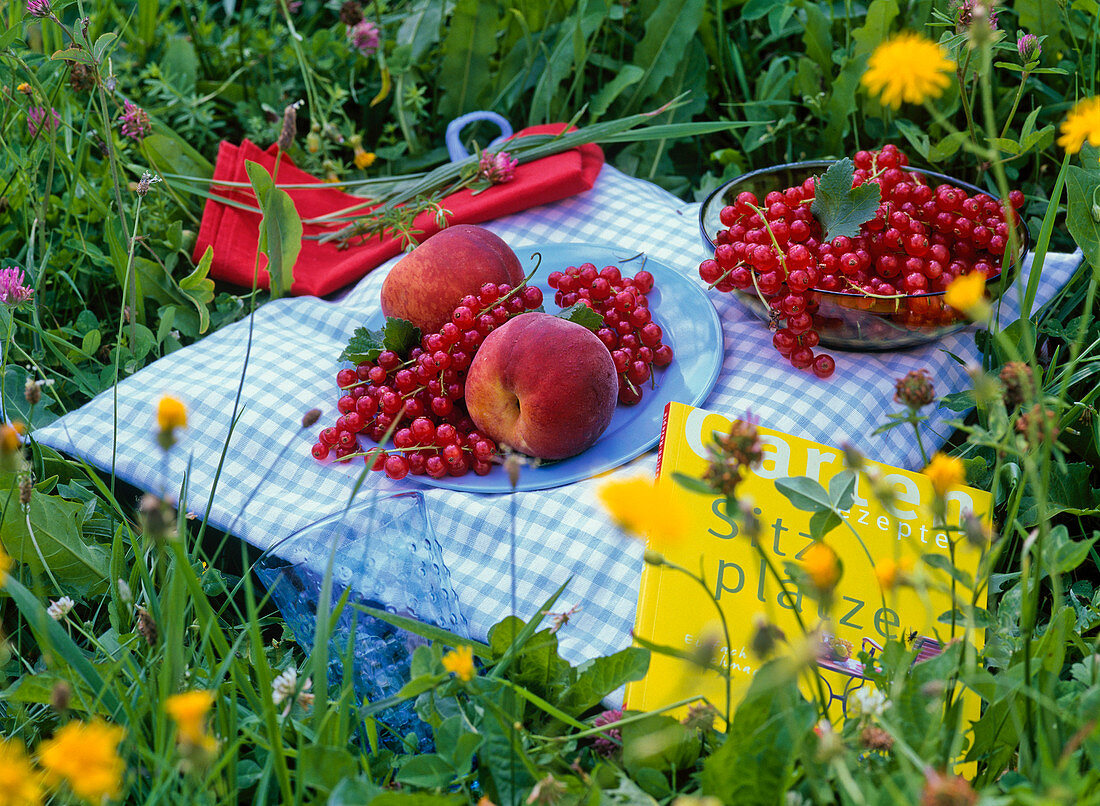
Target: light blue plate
x=691, y=327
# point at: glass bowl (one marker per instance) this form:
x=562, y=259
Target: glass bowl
x=850, y=321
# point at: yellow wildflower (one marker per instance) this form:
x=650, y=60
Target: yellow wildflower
x=945, y=472
x=822, y=566
x=966, y=293
x=364, y=159
x=189, y=710
x=1082, y=122
x=9, y=438
x=642, y=508
x=907, y=67
x=460, y=662
x=24, y=88
x=890, y=574
x=85, y=756
x=20, y=782
x=171, y=413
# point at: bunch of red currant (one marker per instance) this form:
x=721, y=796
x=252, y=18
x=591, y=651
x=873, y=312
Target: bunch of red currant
x=628, y=329
x=919, y=240
x=420, y=397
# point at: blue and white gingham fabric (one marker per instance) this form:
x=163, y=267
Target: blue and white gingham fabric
x=560, y=533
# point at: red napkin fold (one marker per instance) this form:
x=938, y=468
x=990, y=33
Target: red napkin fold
x=323, y=268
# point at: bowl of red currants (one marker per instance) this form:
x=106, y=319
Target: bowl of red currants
x=879, y=289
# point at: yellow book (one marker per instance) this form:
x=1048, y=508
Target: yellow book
x=676, y=611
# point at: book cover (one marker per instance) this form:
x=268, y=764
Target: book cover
x=675, y=610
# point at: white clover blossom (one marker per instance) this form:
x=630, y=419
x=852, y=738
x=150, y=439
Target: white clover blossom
x=59, y=609
x=869, y=702
x=284, y=688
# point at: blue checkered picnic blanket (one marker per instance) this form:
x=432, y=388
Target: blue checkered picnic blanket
x=559, y=533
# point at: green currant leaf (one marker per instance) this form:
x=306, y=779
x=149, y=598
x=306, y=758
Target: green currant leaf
x=840, y=208
x=364, y=345
x=400, y=335
x=583, y=315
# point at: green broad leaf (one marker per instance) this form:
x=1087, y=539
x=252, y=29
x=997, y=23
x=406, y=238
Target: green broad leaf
x=467, y=49
x=49, y=536
x=822, y=522
x=413, y=799
x=456, y=743
x=324, y=766
x=840, y=208
x=769, y=727
x=280, y=229
x=400, y=335
x=805, y=494
x=168, y=153
x=979, y=619
x=73, y=54
x=350, y=792
x=1062, y=554
x=428, y=771
x=943, y=563
x=364, y=345
x=628, y=75
x=693, y=484
x=659, y=742
x=1083, y=210
x=599, y=677
x=582, y=315
x=876, y=28
x=669, y=29
x=102, y=45
x=199, y=289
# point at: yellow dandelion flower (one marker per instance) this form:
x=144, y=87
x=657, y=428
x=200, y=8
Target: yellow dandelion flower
x=945, y=472
x=189, y=710
x=9, y=439
x=171, y=413
x=20, y=782
x=966, y=293
x=85, y=756
x=460, y=662
x=1082, y=122
x=644, y=509
x=890, y=574
x=822, y=566
x=364, y=159
x=907, y=67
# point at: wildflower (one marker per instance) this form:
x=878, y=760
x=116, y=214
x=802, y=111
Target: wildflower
x=171, y=414
x=351, y=13
x=829, y=743
x=85, y=756
x=915, y=390
x=26, y=488
x=364, y=37
x=700, y=716
x=124, y=593
x=38, y=119
x=907, y=67
x=146, y=627
x=765, y=637
x=1083, y=121
x=496, y=167
x=559, y=620
x=890, y=573
x=1030, y=47
x=24, y=88
x=966, y=293
x=546, y=792
x=13, y=292
x=284, y=688
x=822, y=567
x=1019, y=383
x=977, y=534
x=59, y=609
x=9, y=439
x=875, y=738
x=976, y=17
x=39, y=8
x=853, y=457
x=313, y=142
x=1038, y=424
x=364, y=159
x=20, y=782
x=834, y=648
x=941, y=789
x=608, y=742
x=867, y=701
x=460, y=662
x=82, y=78
x=945, y=472
x=732, y=456
x=135, y=122
x=641, y=508
x=188, y=710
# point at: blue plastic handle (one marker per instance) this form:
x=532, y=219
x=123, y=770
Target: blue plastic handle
x=453, y=137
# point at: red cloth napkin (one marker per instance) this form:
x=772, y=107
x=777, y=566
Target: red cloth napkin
x=323, y=268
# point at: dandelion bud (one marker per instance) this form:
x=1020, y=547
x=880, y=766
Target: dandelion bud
x=310, y=417
x=1019, y=383
x=853, y=457
x=146, y=627
x=765, y=637
x=1030, y=47
x=977, y=534
x=654, y=558
x=915, y=390
x=313, y=142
